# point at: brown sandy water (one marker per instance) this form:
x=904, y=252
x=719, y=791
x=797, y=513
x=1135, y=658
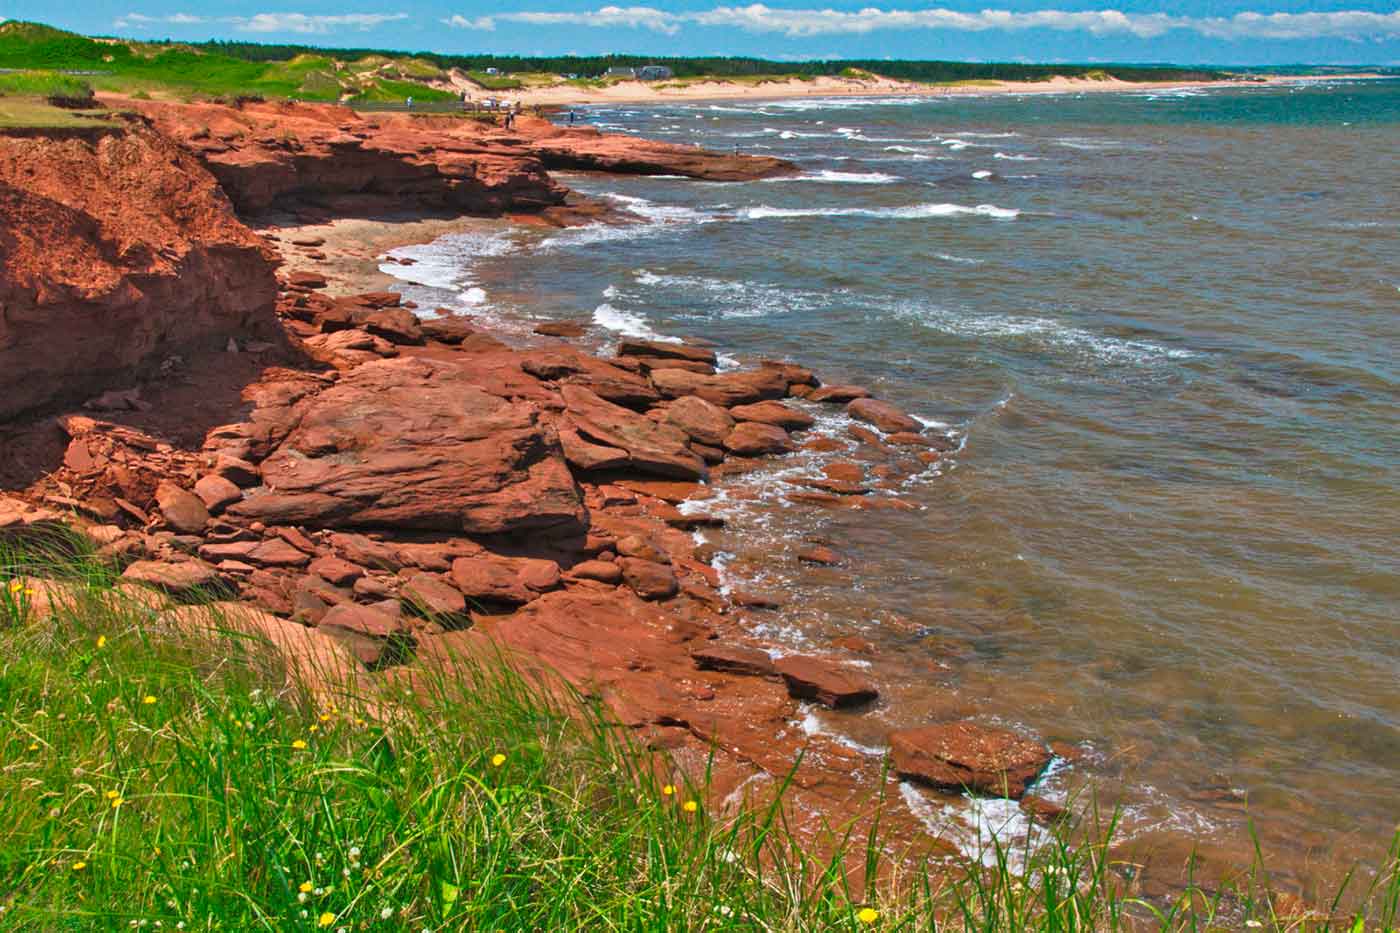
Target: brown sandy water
x=1164, y=328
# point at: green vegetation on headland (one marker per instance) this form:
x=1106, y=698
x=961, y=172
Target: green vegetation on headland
x=165, y=776
x=232, y=69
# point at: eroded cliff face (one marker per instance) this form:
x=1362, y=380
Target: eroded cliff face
x=117, y=251
x=282, y=155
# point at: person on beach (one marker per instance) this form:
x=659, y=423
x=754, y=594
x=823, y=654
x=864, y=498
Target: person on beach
x=408, y=102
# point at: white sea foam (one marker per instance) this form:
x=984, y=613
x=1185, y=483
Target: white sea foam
x=475, y=295
x=1016, y=157
x=627, y=323
x=811, y=724
x=1065, y=338
x=736, y=299
x=981, y=174
x=656, y=216
x=911, y=212
x=842, y=178
x=959, y=260
x=979, y=826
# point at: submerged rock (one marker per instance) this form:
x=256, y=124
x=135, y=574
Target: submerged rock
x=964, y=755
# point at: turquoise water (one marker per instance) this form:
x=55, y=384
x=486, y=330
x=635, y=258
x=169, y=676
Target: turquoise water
x=1164, y=326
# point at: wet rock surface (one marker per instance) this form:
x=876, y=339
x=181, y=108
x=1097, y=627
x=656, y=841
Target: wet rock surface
x=965, y=755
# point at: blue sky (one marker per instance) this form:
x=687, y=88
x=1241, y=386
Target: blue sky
x=1184, y=31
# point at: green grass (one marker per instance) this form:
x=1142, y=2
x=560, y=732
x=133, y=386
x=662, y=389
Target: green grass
x=29, y=113
x=154, y=777
x=43, y=84
x=495, y=82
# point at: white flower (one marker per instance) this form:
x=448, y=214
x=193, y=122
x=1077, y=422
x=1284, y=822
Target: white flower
x=354, y=852
x=1254, y=924
x=301, y=897
x=386, y=913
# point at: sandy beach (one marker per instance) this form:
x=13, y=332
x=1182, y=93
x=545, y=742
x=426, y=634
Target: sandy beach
x=640, y=92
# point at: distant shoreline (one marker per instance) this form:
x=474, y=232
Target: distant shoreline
x=639, y=92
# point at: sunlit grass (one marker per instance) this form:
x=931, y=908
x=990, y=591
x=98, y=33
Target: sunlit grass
x=171, y=779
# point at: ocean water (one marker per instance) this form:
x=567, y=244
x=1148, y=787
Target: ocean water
x=1164, y=327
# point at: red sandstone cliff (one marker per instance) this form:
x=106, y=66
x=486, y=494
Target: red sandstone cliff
x=116, y=251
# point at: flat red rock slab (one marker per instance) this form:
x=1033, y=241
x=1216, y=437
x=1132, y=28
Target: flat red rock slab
x=832, y=685
x=733, y=659
x=654, y=448
x=883, y=415
x=414, y=444
x=752, y=439
x=965, y=755
x=774, y=413
x=723, y=389
x=838, y=393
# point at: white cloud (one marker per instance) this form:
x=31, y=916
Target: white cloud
x=796, y=23
x=304, y=23
x=486, y=23
x=174, y=19
x=268, y=22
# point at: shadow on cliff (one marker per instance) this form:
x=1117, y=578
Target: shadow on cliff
x=183, y=397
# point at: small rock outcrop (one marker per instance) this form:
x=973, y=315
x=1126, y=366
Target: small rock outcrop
x=964, y=755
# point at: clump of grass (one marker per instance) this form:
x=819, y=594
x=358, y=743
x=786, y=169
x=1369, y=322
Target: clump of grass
x=178, y=780
x=46, y=84
x=495, y=82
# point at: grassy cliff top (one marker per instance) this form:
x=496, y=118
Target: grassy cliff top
x=310, y=73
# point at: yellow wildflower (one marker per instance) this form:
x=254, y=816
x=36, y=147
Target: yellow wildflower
x=28, y=591
x=101, y=641
x=325, y=717
x=313, y=728
x=148, y=699
x=359, y=722
x=79, y=866
x=16, y=586
x=690, y=806
x=117, y=802
x=868, y=915
x=497, y=760
x=669, y=789
x=33, y=746
x=298, y=744
x=326, y=919
x=305, y=887
x=113, y=794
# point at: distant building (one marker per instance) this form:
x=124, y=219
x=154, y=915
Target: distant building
x=654, y=73
x=620, y=71
x=493, y=71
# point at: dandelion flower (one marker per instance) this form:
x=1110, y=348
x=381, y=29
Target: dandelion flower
x=148, y=699
x=325, y=717
x=33, y=746
x=113, y=794
x=16, y=586
x=326, y=919
x=868, y=915
x=690, y=806
x=313, y=728
x=669, y=789
x=117, y=802
x=101, y=641
x=497, y=760
x=298, y=744
x=305, y=887
x=79, y=866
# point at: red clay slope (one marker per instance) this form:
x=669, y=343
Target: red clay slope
x=116, y=251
